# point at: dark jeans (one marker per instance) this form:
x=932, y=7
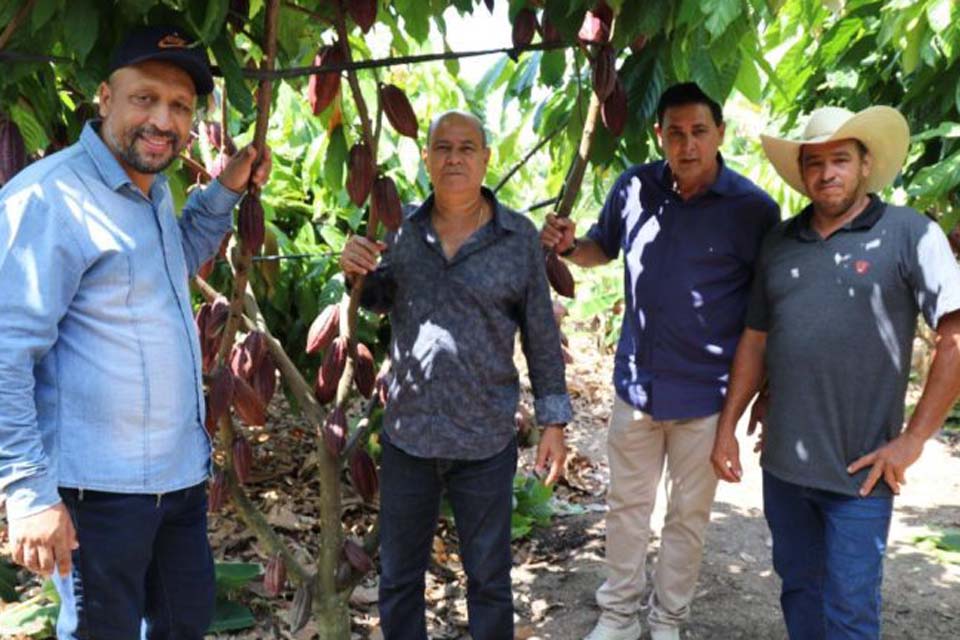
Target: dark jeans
x=481, y=494
x=828, y=551
x=143, y=569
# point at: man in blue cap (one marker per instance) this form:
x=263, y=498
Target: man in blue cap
x=103, y=453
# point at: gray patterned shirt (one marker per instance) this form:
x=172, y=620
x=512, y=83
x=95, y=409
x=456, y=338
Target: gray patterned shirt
x=454, y=387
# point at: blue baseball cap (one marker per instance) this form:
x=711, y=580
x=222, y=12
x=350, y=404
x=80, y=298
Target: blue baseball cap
x=167, y=44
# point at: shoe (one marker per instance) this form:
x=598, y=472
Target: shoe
x=664, y=633
x=604, y=631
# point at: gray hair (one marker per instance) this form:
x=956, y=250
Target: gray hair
x=463, y=114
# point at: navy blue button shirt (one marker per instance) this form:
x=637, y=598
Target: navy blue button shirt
x=688, y=267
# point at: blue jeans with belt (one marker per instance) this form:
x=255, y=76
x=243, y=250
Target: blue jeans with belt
x=481, y=494
x=828, y=551
x=143, y=568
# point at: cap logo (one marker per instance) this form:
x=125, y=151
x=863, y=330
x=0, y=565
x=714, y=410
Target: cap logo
x=172, y=41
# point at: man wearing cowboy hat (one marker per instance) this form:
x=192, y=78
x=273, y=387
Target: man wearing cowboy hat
x=103, y=453
x=831, y=320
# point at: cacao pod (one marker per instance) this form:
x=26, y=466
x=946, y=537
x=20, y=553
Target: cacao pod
x=334, y=359
x=219, y=312
x=550, y=32
x=202, y=319
x=614, y=111
x=382, y=383
x=242, y=458
x=524, y=26
x=364, y=373
x=220, y=397
x=239, y=361
x=322, y=88
x=250, y=224
x=385, y=203
x=398, y=110
x=595, y=28
x=13, y=151
x=255, y=344
x=360, y=173
x=363, y=474
x=324, y=329
x=275, y=576
x=215, y=135
x=218, y=493
x=604, y=72
x=363, y=12
x=559, y=275
x=357, y=557
x=264, y=380
x=247, y=403
x=302, y=606
x=335, y=431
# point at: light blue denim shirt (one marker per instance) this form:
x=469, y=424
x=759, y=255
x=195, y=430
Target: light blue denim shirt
x=100, y=379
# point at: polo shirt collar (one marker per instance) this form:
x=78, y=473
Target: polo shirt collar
x=107, y=164
x=501, y=219
x=726, y=183
x=799, y=227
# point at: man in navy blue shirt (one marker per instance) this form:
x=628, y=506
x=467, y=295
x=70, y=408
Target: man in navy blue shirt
x=690, y=230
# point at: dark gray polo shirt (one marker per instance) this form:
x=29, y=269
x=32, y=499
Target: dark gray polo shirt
x=454, y=388
x=840, y=316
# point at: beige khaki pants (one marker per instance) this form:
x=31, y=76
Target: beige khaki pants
x=638, y=446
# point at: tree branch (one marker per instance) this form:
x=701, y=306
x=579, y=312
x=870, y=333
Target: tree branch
x=15, y=23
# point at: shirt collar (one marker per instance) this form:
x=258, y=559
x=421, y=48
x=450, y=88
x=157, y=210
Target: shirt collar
x=501, y=217
x=107, y=164
x=725, y=184
x=799, y=227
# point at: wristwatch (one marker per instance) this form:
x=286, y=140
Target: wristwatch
x=569, y=250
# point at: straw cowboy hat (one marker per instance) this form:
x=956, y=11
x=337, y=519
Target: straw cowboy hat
x=882, y=130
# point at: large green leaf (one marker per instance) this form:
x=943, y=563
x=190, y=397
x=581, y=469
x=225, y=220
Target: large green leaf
x=237, y=90
x=720, y=14
x=83, y=18
x=231, y=616
x=34, y=136
x=232, y=576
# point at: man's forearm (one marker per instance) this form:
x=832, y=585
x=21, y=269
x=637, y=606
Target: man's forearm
x=943, y=381
x=746, y=375
x=587, y=253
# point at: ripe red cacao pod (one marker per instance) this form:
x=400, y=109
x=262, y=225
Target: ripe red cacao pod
x=364, y=373
x=250, y=224
x=361, y=171
x=363, y=12
x=220, y=396
x=324, y=329
x=247, y=403
x=614, y=111
x=219, y=312
x=242, y=458
x=215, y=135
x=202, y=319
x=264, y=380
x=398, y=110
x=559, y=275
x=550, y=32
x=524, y=26
x=256, y=345
x=334, y=360
x=595, y=28
x=385, y=203
x=335, y=431
x=13, y=152
x=218, y=493
x=275, y=576
x=322, y=88
x=357, y=557
x=363, y=474
x=604, y=72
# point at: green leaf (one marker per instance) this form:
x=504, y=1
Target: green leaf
x=84, y=21
x=231, y=576
x=238, y=92
x=8, y=581
x=34, y=136
x=552, y=66
x=936, y=181
x=911, y=53
x=335, y=161
x=748, y=81
x=42, y=11
x=943, y=130
x=231, y=616
x=213, y=20
x=720, y=14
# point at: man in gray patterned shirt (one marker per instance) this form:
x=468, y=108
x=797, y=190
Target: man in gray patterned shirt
x=459, y=278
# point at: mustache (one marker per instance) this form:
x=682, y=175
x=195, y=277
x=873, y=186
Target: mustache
x=150, y=130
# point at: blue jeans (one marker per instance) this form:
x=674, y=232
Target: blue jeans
x=481, y=494
x=828, y=551
x=143, y=568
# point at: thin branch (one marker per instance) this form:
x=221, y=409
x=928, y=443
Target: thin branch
x=196, y=166
x=529, y=154
x=17, y=20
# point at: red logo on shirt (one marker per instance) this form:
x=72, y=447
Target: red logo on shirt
x=861, y=266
